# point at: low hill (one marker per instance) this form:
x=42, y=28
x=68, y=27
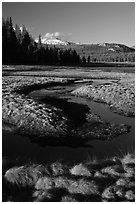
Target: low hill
x=101, y=52
x=110, y=52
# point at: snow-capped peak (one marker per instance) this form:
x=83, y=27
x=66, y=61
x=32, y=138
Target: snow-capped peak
x=111, y=49
x=102, y=44
x=52, y=41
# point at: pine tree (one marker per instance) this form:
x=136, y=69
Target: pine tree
x=26, y=40
x=18, y=47
x=39, y=42
x=4, y=41
x=88, y=59
x=11, y=46
x=83, y=59
x=18, y=34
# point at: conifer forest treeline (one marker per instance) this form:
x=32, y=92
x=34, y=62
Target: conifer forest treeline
x=18, y=47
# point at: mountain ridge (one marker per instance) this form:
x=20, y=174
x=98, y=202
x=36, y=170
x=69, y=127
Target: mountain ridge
x=97, y=52
x=110, y=47
x=52, y=41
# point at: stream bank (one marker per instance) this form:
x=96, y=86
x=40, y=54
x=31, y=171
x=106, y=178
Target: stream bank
x=60, y=97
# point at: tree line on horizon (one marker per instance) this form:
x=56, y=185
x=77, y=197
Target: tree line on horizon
x=19, y=47
x=111, y=57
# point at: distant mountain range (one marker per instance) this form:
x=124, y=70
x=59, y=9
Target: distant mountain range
x=98, y=48
x=99, y=51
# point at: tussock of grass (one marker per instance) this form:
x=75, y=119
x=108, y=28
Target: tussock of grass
x=83, y=187
x=128, y=159
x=58, y=169
x=111, y=180
x=108, y=193
x=130, y=172
x=80, y=186
x=130, y=196
x=120, y=193
x=68, y=199
x=125, y=182
x=18, y=175
x=80, y=170
x=113, y=170
x=98, y=174
x=41, y=196
x=44, y=183
x=25, y=175
x=61, y=182
x=121, y=182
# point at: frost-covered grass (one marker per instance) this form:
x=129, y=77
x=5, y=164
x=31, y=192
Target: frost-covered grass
x=119, y=96
x=45, y=122
x=26, y=114
x=105, y=180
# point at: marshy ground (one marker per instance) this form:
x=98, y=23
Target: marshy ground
x=53, y=119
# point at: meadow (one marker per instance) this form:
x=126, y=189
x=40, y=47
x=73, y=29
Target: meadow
x=111, y=179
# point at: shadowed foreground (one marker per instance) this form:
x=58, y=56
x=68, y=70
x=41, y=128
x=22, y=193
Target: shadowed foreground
x=109, y=180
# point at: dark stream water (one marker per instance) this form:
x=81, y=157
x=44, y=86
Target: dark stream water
x=75, y=107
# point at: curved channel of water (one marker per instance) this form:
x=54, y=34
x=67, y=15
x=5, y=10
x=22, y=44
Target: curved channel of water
x=122, y=144
x=18, y=146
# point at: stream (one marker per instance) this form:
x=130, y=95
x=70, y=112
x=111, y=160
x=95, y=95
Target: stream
x=60, y=97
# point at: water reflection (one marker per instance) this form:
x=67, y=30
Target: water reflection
x=15, y=145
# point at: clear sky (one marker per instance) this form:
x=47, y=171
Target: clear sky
x=84, y=22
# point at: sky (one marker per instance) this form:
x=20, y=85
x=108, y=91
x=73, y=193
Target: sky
x=83, y=22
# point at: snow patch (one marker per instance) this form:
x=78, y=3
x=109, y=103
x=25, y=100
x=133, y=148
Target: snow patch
x=111, y=49
x=102, y=44
x=117, y=46
x=52, y=41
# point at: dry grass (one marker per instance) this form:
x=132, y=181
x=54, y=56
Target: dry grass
x=110, y=180
x=44, y=122
x=120, y=96
x=80, y=170
x=25, y=175
x=44, y=183
x=58, y=169
x=28, y=116
x=83, y=187
x=68, y=199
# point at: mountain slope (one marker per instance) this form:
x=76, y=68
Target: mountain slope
x=112, y=52
x=53, y=41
